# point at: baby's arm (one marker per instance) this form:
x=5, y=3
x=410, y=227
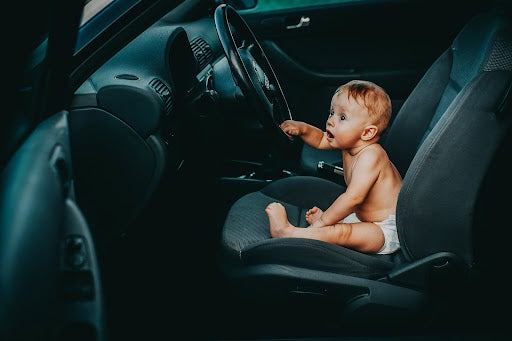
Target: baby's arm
x=311, y=135
x=364, y=175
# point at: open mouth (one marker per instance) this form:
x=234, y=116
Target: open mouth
x=330, y=136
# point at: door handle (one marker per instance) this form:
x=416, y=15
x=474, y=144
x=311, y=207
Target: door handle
x=303, y=22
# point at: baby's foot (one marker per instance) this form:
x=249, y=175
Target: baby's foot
x=313, y=215
x=279, y=224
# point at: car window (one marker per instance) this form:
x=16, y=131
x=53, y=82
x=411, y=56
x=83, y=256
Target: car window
x=93, y=7
x=97, y=16
x=275, y=5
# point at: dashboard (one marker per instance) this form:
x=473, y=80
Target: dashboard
x=162, y=67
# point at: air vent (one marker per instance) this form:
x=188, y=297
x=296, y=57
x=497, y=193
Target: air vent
x=164, y=92
x=202, y=51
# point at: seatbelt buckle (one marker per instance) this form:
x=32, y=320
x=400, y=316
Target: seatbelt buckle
x=328, y=168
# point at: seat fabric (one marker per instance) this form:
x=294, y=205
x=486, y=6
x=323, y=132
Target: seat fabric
x=441, y=141
x=246, y=235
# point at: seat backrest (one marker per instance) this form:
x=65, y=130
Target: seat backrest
x=445, y=135
x=467, y=57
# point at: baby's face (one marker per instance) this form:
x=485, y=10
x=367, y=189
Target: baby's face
x=346, y=122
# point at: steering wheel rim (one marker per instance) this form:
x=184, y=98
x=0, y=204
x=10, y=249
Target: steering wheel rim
x=251, y=69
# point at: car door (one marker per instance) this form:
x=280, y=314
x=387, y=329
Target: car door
x=50, y=285
x=315, y=46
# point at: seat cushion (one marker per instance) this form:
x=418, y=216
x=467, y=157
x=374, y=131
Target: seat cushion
x=246, y=236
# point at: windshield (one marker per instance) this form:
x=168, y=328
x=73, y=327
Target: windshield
x=93, y=7
x=97, y=16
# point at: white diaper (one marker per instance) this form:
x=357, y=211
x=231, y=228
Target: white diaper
x=388, y=227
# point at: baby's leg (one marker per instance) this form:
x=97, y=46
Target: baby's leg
x=313, y=215
x=363, y=236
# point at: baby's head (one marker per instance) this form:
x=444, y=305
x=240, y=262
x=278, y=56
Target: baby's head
x=371, y=97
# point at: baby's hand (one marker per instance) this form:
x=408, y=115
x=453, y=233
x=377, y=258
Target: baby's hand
x=292, y=128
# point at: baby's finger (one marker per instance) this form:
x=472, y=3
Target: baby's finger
x=289, y=133
x=290, y=137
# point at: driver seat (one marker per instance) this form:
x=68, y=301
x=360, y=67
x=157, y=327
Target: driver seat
x=442, y=142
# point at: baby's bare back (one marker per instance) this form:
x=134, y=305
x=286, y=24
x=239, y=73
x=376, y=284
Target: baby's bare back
x=381, y=199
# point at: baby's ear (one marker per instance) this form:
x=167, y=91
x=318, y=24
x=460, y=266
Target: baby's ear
x=369, y=132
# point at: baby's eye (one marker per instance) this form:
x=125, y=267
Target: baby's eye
x=342, y=117
x=331, y=113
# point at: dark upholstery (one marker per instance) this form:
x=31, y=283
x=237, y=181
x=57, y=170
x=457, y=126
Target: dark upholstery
x=442, y=141
x=438, y=195
x=440, y=188
x=246, y=238
x=470, y=54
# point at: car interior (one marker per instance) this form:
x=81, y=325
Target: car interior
x=136, y=168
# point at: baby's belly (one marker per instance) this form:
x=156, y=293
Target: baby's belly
x=374, y=214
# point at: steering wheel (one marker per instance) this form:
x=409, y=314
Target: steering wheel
x=251, y=70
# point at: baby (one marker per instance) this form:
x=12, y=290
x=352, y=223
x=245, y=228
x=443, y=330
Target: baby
x=362, y=218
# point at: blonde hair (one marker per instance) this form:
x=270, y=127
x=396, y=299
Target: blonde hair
x=373, y=97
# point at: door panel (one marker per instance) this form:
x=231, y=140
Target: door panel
x=391, y=43
x=49, y=276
